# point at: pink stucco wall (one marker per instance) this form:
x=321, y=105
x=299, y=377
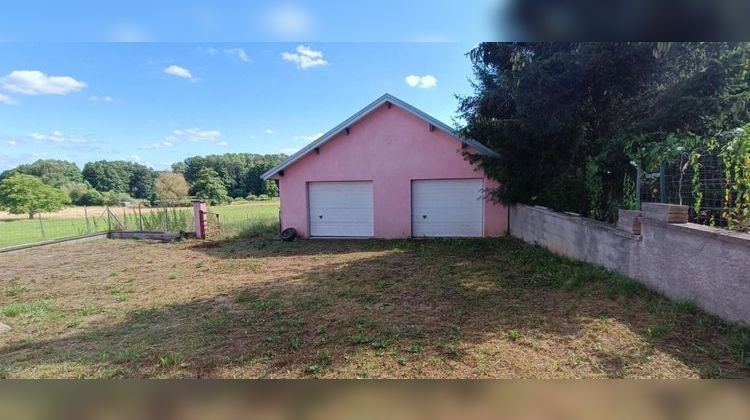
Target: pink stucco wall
x=390, y=147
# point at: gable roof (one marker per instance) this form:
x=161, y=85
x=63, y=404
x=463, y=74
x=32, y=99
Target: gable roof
x=387, y=98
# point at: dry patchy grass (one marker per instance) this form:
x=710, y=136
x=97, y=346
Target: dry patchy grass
x=255, y=307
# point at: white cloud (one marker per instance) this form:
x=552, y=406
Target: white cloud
x=34, y=82
x=7, y=100
x=179, y=72
x=57, y=137
x=12, y=143
x=135, y=158
x=239, y=53
x=305, y=57
x=308, y=138
x=101, y=98
x=269, y=131
x=194, y=134
x=161, y=145
x=289, y=150
x=424, y=82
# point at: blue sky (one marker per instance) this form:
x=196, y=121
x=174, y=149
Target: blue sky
x=157, y=103
x=250, y=21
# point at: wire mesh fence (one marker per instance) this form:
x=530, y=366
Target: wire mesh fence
x=698, y=181
x=79, y=221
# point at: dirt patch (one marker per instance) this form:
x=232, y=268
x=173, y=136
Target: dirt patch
x=256, y=307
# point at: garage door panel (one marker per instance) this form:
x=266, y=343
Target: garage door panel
x=341, y=208
x=445, y=208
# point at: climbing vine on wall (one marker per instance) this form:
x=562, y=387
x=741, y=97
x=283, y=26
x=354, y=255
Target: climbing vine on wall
x=735, y=155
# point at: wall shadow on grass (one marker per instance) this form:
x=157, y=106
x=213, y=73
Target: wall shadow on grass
x=449, y=308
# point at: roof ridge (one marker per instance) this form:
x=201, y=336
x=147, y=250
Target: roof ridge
x=386, y=97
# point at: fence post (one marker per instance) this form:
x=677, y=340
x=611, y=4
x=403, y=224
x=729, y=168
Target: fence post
x=109, y=220
x=662, y=184
x=86, y=215
x=41, y=226
x=199, y=218
x=637, y=188
x=140, y=217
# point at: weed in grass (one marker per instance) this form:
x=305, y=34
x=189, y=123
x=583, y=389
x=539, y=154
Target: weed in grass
x=295, y=343
x=657, y=331
x=90, y=310
x=415, y=349
x=710, y=372
x=14, y=291
x=5, y=372
x=359, y=339
x=514, y=335
x=146, y=315
x=344, y=293
x=73, y=323
x=379, y=344
x=244, y=297
x=213, y=323
x=684, y=307
x=126, y=355
x=293, y=322
x=32, y=309
x=170, y=360
x=325, y=357
x=121, y=292
x=738, y=344
x=173, y=275
x=315, y=303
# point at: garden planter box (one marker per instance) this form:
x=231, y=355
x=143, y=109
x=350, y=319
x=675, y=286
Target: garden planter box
x=629, y=221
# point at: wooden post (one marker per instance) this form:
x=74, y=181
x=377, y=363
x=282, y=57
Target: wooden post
x=199, y=218
x=86, y=215
x=41, y=226
x=140, y=217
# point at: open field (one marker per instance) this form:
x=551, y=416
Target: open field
x=71, y=221
x=255, y=307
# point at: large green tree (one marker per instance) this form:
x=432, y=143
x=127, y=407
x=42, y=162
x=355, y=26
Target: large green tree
x=239, y=172
x=121, y=177
x=171, y=186
x=55, y=173
x=27, y=194
x=209, y=186
x=566, y=117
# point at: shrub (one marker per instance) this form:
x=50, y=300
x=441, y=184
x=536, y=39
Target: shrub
x=89, y=198
x=112, y=198
x=264, y=197
x=252, y=197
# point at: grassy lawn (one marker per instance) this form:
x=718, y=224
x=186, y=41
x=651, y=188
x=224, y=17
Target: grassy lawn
x=256, y=307
x=17, y=230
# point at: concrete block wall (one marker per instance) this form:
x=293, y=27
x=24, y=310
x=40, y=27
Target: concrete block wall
x=708, y=266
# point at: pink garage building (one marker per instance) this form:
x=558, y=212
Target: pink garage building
x=389, y=171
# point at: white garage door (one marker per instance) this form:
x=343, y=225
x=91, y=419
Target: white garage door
x=447, y=207
x=341, y=209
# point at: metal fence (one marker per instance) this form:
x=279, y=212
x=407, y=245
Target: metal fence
x=704, y=191
x=81, y=221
